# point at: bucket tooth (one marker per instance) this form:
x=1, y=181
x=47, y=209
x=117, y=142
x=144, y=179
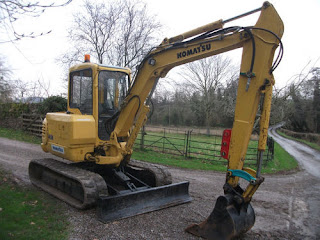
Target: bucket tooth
x=226, y=221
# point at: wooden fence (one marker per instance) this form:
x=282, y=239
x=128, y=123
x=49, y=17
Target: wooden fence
x=33, y=123
x=205, y=148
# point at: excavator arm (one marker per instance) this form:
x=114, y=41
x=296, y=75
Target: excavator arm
x=255, y=80
x=259, y=43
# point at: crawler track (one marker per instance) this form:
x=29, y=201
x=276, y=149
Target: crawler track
x=161, y=173
x=78, y=187
x=81, y=184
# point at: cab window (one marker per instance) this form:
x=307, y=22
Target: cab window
x=81, y=91
x=113, y=88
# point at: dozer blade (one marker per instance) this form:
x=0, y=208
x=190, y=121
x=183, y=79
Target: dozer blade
x=226, y=221
x=129, y=204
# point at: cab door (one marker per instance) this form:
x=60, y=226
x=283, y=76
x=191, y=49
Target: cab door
x=112, y=90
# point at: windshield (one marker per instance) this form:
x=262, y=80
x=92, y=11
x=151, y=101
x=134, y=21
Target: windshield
x=113, y=88
x=81, y=91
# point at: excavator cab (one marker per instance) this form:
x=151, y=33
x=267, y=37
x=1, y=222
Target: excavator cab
x=112, y=89
x=113, y=84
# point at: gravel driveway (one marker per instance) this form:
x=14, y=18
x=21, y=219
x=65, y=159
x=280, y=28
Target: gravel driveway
x=286, y=205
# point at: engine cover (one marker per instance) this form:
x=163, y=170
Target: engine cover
x=69, y=136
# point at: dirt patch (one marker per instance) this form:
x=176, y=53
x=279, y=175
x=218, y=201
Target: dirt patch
x=286, y=206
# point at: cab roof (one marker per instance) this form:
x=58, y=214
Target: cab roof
x=98, y=67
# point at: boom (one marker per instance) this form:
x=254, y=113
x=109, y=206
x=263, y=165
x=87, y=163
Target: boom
x=259, y=44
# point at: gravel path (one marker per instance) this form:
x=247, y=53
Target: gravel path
x=286, y=206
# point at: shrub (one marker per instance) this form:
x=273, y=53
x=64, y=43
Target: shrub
x=53, y=104
x=311, y=137
x=13, y=110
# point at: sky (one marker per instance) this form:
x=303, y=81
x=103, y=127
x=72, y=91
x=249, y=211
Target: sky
x=33, y=59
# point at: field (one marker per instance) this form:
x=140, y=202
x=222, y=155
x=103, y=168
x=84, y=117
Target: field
x=198, y=151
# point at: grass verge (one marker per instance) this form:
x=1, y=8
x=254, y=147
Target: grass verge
x=18, y=135
x=282, y=161
x=310, y=144
x=28, y=214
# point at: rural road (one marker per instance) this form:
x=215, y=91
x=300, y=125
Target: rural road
x=308, y=158
x=286, y=205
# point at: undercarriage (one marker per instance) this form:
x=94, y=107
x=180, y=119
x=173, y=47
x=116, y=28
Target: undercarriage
x=121, y=192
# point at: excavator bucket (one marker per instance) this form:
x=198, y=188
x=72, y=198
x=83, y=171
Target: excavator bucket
x=129, y=204
x=227, y=220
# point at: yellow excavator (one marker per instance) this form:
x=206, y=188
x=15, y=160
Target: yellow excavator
x=106, y=110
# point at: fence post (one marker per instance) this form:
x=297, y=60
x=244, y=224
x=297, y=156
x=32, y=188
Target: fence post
x=270, y=152
x=272, y=148
x=142, y=137
x=186, y=146
x=189, y=145
x=163, y=139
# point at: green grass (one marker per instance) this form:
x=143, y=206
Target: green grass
x=199, y=144
x=179, y=138
x=29, y=214
x=176, y=161
x=282, y=161
x=310, y=144
x=209, y=145
x=19, y=135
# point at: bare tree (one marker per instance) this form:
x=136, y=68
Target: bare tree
x=6, y=90
x=206, y=76
x=21, y=88
x=136, y=34
x=298, y=102
x=316, y=98
x=117, y=33
x=226, y=105
x=93, y=30
x=18, y=90
x=11, y=11
x=290, y=102
x=11, y=89
x=38, y=89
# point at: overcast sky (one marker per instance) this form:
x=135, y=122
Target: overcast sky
x=36, y=58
